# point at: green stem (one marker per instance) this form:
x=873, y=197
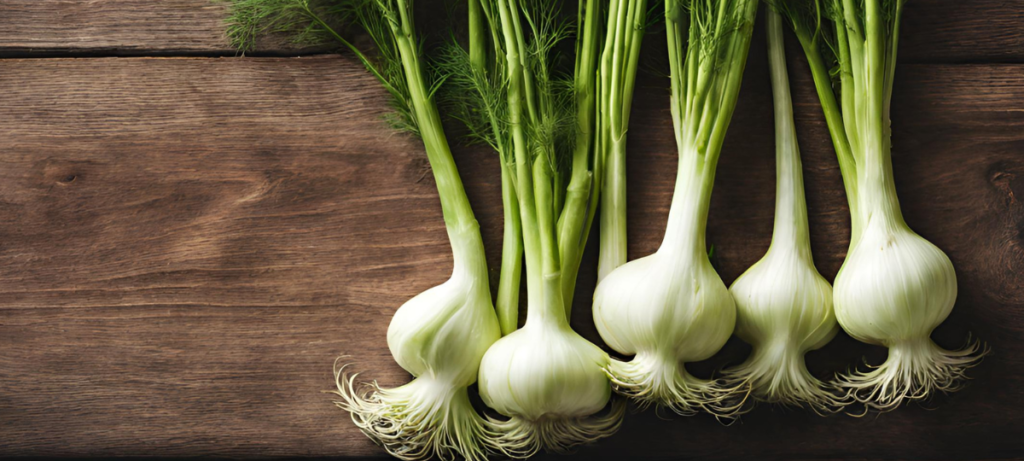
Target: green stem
x=890, y=64
x=848, y=83
x=511, y=256
x=705, y=88
x=507, y=303
x=875, y=75
x=736, y=63
x=543, y=202
x=618, y=68
x=523, y=161
x=577, y=214
x=559, y=198
x=552, y=307
x=676, y=33
x=890, y=74
x=529, y=92
x=454, y=203
x=613, y=210
x=571, y=237
x=638, y=19
x=835, y=121
x=477, y=37
x=791, y=226
x=878, y=189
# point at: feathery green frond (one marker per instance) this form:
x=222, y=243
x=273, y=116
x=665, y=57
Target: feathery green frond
x=474, y=98
x=301, y=21
x=315, y=22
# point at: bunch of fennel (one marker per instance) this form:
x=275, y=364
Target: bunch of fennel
x=439, y=335
x=546, y=379
x=672, y=307
x=894, y=287
x=783, y=305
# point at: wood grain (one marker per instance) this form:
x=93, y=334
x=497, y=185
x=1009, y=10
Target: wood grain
x=938, y=31
x=187, y=244
x=121, y=26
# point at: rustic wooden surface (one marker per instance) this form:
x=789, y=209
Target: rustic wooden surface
x=933, y=30
x=186, y=243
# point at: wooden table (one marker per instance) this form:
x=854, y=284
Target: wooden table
x=189, y=238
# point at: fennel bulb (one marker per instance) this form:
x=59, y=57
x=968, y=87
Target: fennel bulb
x=672, y=307
x=547, y=380
x=783, y=305
x=893, y=290
x=439, y=335
x=894, y=287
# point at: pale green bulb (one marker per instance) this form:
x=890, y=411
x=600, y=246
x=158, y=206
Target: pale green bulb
x=439, y=337
x=784, y=309
x=666, y=310
x=894, y=288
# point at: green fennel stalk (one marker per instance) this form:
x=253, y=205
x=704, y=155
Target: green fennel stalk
x=475, y=89
x=894, y=287
x=543, y=120
x=783, y=305
x=439, y=335
x=544, y=378
x=671, y=307
x=619, y=62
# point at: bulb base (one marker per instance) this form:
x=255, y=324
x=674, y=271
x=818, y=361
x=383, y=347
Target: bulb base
x=522, y=438
x=665, y=383
x=419, y=420
x=915, y=370
x=778, y=375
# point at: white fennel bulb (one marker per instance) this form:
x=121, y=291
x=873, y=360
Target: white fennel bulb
x=440, y=335
x=784, y=310
x=671, y=307
x=893, y=290
x=443, y=332
x=894, y=287
x=784, y=306
x=545, y=379
x=521, y=368
x=667, y=309
x=550, y=382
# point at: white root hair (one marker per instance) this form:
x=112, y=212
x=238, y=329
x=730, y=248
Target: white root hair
x=783, y=379
x=914, y=371
x=419, y=420
x=666, y=384
x=521, y=438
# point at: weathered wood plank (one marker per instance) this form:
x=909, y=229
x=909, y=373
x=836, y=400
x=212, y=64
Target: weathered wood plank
x=176, y=381
x=289, y=151
x=186, y=245
x=125, y=26
x=933, y=30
